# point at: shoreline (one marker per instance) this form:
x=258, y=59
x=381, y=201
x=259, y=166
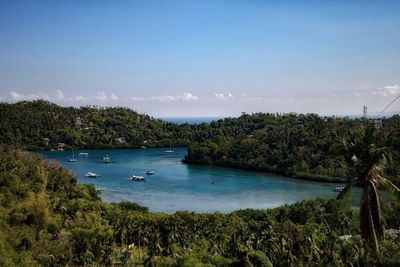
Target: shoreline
x=310, y=177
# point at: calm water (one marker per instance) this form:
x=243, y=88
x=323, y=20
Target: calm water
x=191, y=120
x=177, y=186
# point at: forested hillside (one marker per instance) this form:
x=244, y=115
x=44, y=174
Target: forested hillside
x=47, y=219
x=295, y=145
x=290, y=144
x=42, y=125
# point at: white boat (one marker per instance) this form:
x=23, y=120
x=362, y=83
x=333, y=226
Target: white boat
x=83, y=154
x=339, y=188
x=150, y=172
x=137, y=178
x=170, y=149
x=106, y=159
x=91, y=175
x=73, y=159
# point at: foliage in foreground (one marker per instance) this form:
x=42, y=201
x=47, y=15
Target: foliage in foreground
x=47, y=219
x=369, y=162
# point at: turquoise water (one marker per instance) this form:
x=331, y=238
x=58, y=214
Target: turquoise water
x=177, y=186
x=190, y=120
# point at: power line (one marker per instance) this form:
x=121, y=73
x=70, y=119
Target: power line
x=394, y=100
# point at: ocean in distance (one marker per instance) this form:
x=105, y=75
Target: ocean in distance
x=190, y=120
x=176, y=186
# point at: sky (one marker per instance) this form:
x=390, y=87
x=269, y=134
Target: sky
x=203, y=58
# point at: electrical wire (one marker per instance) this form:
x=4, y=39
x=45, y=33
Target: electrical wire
x=394, y=100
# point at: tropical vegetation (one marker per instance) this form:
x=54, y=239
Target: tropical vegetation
x=368, y=161
x=295, y=145
x=47, y=219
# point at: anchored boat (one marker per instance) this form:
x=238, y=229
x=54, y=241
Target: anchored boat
x=91, y=175
x=137, y=178
x=106, y=159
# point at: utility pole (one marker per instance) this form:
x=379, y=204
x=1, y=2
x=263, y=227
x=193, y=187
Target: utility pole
x=364, y=112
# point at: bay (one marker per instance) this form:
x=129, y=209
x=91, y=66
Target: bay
x=176, y=186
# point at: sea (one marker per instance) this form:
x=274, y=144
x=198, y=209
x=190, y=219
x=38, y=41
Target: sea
x=176, y=186
x=190, y=120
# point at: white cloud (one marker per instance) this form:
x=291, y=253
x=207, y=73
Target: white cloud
x=60, y=95
x=41, y=96
x=389, y=90
x=189, y=97
x=79, y=98
x=114, y=97
x=134, y=98
x=219, y=96
x=356, y=94
x=101, y=96
x=16, y=96
x=167, y=98
x=163, y=98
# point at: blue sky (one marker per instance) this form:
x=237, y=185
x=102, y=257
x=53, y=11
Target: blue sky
x=203, y=58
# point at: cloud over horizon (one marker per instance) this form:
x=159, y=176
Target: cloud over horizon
x=225, y=103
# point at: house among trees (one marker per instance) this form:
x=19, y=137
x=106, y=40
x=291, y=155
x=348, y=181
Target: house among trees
x=121, y=140
x=60, y=146
x=45, y=141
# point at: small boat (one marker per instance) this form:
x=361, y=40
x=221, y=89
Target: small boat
x=170, y=149
x=73, y=159
x=150, y=172
x=83, y=154
x=91, y=175
x=339, y=188
x=137, y=178
x=106, y=159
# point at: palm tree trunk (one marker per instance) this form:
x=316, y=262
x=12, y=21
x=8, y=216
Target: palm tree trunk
x=368, y=232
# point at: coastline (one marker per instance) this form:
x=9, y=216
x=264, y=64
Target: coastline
x=300, y=176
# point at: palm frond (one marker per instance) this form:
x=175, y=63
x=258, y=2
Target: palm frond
x=389, y=186
x=346, y=192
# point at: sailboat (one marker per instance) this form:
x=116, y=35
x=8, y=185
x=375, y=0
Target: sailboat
x=170, y=149
x=73, y=159
x=106, y=159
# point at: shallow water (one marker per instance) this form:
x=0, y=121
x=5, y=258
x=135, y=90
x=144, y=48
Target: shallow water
x=176, y=186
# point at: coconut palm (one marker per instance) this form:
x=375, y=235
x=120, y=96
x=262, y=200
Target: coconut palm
x=368, y=161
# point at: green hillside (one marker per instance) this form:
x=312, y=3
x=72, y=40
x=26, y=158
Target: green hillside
x=47, y=219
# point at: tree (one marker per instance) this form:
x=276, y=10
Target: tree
x=368, y=160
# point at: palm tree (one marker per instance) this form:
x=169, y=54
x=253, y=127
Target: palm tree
x=368, y=161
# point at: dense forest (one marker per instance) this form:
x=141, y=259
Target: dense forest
x=296, y=145
x=293, y=145
x=42, y=125
x=47, y=219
